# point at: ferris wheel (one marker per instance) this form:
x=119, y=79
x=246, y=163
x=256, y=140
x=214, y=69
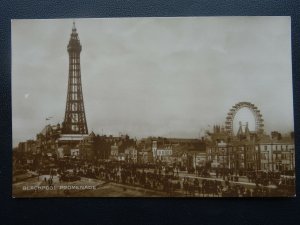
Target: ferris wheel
x=259, y=122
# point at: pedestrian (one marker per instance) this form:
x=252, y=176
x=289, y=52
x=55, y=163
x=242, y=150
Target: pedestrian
x=196, y=185
x=185, y=186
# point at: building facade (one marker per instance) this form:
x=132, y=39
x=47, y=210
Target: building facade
x=276, y=156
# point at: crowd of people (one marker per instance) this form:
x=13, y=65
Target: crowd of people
x=164, y=179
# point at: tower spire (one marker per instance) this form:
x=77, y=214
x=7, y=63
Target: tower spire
x=74, y=27
x=75, y=120
x=247, y=131
x=240, y=131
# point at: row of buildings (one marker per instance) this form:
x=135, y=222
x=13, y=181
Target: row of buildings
x=245, y=151
x=250, y=151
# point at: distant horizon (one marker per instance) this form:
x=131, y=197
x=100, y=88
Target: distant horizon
x=167, y=77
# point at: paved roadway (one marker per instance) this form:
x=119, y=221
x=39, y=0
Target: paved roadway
x=102, y=188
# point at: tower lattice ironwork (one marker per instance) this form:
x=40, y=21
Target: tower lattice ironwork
x=75, y=120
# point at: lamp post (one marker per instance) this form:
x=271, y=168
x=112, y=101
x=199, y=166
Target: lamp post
x=245, y=158
x=223, y=161
x=272, y=156
x=268, y=160
x=235, y=160
x=228, y=156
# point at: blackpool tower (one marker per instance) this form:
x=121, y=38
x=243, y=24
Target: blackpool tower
x=75, y=120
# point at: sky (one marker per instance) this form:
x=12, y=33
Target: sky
x=171, y=77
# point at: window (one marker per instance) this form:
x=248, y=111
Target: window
x=284, y=156
x=264, y=156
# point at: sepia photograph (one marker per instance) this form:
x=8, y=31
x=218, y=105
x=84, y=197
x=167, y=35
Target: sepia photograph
x=152, y=107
